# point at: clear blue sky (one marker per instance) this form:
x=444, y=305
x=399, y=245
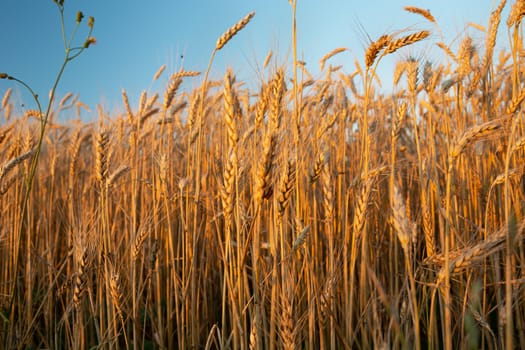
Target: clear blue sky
x=134, y=38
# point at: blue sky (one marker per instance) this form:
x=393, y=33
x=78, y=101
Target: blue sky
x=134, y=38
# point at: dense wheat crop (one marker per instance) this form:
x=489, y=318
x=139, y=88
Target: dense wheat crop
x=303, y=214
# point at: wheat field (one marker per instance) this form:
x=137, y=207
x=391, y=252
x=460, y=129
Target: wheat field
x=305, y=214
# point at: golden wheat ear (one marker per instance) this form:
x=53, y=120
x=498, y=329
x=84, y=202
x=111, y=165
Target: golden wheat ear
x=421, y=12
x=230, y=33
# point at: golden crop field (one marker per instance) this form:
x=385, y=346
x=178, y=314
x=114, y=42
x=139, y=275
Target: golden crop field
x=304, y=214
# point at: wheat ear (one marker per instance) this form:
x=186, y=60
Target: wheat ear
x=170, y=92
x=287, y=324
x=516, y=14
x=80, y=278
x=102, y=157
x=11, y=164
x=229, y=109
x=159, y=72
x=228, y=188
x=422, y=12
x=231, y=32
x=405, y=230
x=5, y=100
x=471, y=135
x=330, y=55
x=395, y=45
x=375, y=48
x=262, y=179
x=286, y=185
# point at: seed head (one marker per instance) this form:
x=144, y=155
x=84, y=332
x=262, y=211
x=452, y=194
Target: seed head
x=230, y=33
x=80, y=15
x=89, y=41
